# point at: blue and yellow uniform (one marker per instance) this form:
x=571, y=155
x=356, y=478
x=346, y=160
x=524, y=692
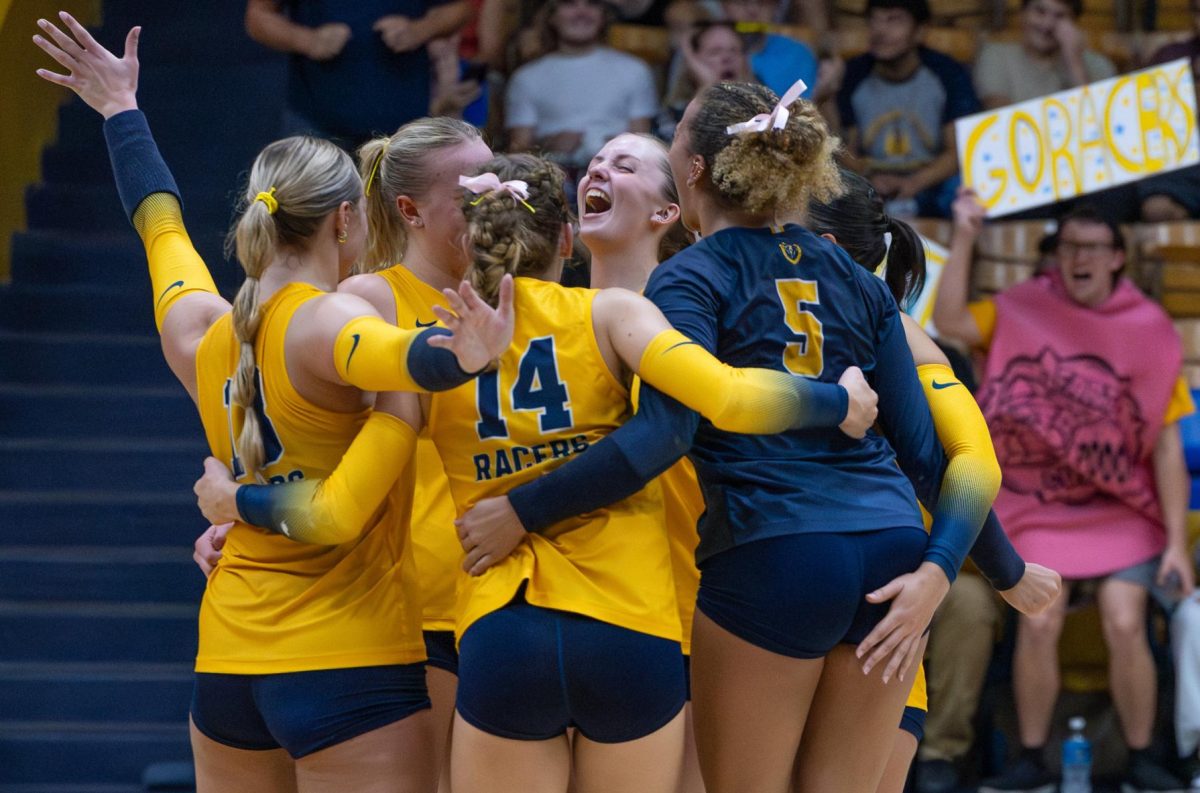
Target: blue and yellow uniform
x=788, y=300
x=603, y=579
x=435, y=544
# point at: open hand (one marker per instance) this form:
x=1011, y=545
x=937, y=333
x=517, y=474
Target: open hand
x=107, y=84
x=481, y=333
x=897, y=638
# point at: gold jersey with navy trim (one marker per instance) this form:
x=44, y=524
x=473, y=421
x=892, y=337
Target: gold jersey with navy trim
x=551, y=397
x=435, y=543
x=273, y=605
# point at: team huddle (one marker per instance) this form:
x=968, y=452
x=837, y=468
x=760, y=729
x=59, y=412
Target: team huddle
x=477, y=531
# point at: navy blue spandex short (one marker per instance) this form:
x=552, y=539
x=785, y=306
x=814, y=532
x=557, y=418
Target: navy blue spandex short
x=913, y=721
x=439, y=647
x=304, y=712
x=529, y=673
x=800, y=595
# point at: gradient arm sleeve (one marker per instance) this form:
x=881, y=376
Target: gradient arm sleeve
x=746, y=400
x=335, y=509
x=957, y=498
x=612, y=469
x=151, y=200
x=375, y=355
x=972, y=467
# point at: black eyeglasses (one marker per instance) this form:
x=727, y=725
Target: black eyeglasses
x=1087, y=250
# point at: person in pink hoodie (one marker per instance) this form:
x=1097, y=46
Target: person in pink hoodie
x=1082, y=393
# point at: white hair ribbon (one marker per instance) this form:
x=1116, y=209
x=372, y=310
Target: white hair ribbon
x=776, y=119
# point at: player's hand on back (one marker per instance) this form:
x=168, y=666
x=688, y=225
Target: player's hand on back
x=488, y=531
x=864, y=403
x=480, y=333
x=216, y=492
x=206, y=551
x=107, y=84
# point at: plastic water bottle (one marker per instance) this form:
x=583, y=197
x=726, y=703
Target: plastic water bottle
x=1076, y=759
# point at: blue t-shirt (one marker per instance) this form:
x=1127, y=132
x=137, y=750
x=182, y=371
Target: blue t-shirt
x=791, y=301
x=367, y=89
x=900, y=123
x=782, y=61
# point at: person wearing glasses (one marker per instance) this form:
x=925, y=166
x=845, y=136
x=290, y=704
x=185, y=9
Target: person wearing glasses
x=1083, y=394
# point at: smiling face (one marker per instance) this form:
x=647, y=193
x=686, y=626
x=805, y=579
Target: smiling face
x=440, y=208
x=1088, y=261
x=623, y=189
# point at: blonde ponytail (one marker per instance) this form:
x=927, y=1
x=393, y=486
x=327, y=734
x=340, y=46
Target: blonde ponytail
x=307, y=179
x=400, y=165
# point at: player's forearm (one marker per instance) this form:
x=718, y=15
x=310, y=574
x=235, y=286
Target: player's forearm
x=338, y=508
x=375, y=355
x=747, y=400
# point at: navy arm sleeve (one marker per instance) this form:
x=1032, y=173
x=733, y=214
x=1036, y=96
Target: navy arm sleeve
x=612, y=469
x=138, y=167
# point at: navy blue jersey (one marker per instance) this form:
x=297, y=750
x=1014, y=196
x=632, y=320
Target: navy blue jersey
x=790, y=300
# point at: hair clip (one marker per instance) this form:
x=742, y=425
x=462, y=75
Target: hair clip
x=489, y=182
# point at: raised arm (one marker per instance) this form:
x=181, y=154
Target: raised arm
x=950, y=313
x=186, y=302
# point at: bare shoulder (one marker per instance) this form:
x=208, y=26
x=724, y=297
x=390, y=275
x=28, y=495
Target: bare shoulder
x=373, y=288
x=924, y=349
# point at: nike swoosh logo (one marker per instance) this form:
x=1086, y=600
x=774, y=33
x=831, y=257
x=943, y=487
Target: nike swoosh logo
x=679, y=344
x=421, y=324
x=939, y=386
x=168, y=289
x=353, y=347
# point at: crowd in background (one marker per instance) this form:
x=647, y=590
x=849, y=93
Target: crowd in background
x=541, y=75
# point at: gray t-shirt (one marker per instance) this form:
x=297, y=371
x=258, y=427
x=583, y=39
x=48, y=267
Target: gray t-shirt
x=597, y=93
x=1004, y=69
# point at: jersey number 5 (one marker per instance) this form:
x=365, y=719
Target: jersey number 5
x=538, y=388
x=804, y=356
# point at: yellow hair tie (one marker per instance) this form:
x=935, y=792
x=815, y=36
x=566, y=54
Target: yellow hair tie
x=269, y=199
x=375, y=169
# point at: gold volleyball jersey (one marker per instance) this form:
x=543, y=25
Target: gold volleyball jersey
x=273, y=605
x=550, y=398
x=434, y=539
x=683, y=504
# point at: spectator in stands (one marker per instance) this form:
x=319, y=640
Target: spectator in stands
x=572, y=100
x=778, y=61
x=898, y=104
x=1176, y=195
x=713, y=53
x=1051, y=56
x=1083, y=395
x=357, y=69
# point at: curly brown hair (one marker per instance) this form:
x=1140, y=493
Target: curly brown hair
x=505, y=235
x=773, y=171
